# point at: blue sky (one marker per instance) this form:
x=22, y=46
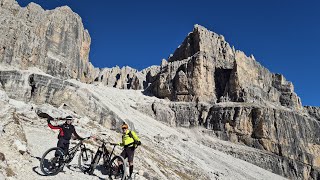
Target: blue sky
x=283, y=35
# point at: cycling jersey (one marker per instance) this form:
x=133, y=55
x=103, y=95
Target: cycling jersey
x=66, y=131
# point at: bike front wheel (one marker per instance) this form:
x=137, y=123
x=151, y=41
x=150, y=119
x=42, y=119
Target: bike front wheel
x=114, y=169
x=85, y=159
x=52, y=161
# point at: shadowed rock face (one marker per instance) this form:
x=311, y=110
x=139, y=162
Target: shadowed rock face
x=53, y=40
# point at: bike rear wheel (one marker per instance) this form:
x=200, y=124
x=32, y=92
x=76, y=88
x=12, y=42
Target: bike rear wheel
x=85, y=159
x=114, y=169
x=52, y=161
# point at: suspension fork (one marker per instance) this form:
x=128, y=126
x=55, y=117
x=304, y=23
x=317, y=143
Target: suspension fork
x=114, y=146
x=97, y=156
x=83, y=149
x=72, y=152
x=106, y=156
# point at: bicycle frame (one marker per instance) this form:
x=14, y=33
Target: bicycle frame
x=106, y=154
x=72, y=151
x=101, y=152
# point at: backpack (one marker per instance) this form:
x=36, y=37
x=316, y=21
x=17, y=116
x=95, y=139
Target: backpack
x=130, y=135
x=134, y=141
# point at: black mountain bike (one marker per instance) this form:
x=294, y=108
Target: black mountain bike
x=110, y=162
x=54, y=159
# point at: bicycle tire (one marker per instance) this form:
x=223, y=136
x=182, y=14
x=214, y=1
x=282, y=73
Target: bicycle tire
x=89, y=153
x=44, y=161
x=113, y=168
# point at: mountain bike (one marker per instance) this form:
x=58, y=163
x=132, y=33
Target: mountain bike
x=54, y=159
x=110, y=162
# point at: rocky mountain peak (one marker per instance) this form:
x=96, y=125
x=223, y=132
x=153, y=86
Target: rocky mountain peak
x=207, y=43
x=54, y=41
x=205, y=68
x=31, y=6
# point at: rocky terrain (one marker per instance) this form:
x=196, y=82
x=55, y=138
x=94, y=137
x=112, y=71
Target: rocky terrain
x=207, y=112
x=167, y=152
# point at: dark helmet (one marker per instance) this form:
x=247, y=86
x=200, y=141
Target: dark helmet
x=69, y=118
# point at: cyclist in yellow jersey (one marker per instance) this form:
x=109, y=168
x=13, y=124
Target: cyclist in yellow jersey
x=130, y=141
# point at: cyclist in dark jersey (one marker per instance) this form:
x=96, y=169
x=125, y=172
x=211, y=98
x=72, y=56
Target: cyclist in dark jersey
x=66, y=131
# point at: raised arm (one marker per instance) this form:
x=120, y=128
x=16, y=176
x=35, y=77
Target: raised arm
x=52, y=126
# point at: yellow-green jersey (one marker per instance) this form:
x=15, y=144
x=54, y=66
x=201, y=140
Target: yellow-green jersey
x=130, y=139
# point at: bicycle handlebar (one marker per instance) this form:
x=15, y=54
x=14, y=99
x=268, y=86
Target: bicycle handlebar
x=107, y=142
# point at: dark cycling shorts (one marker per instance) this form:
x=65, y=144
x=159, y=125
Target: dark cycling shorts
x=64, y=144
x=128, y=152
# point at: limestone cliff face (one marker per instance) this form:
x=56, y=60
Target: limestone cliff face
x=205, y=68
x=189, y=73
x=52, y=40
x=212, y=45
x=250, y=82
x=285, y=133
x=235, y=97
x=288, y=137
x=127, y=77
x=313, y=111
